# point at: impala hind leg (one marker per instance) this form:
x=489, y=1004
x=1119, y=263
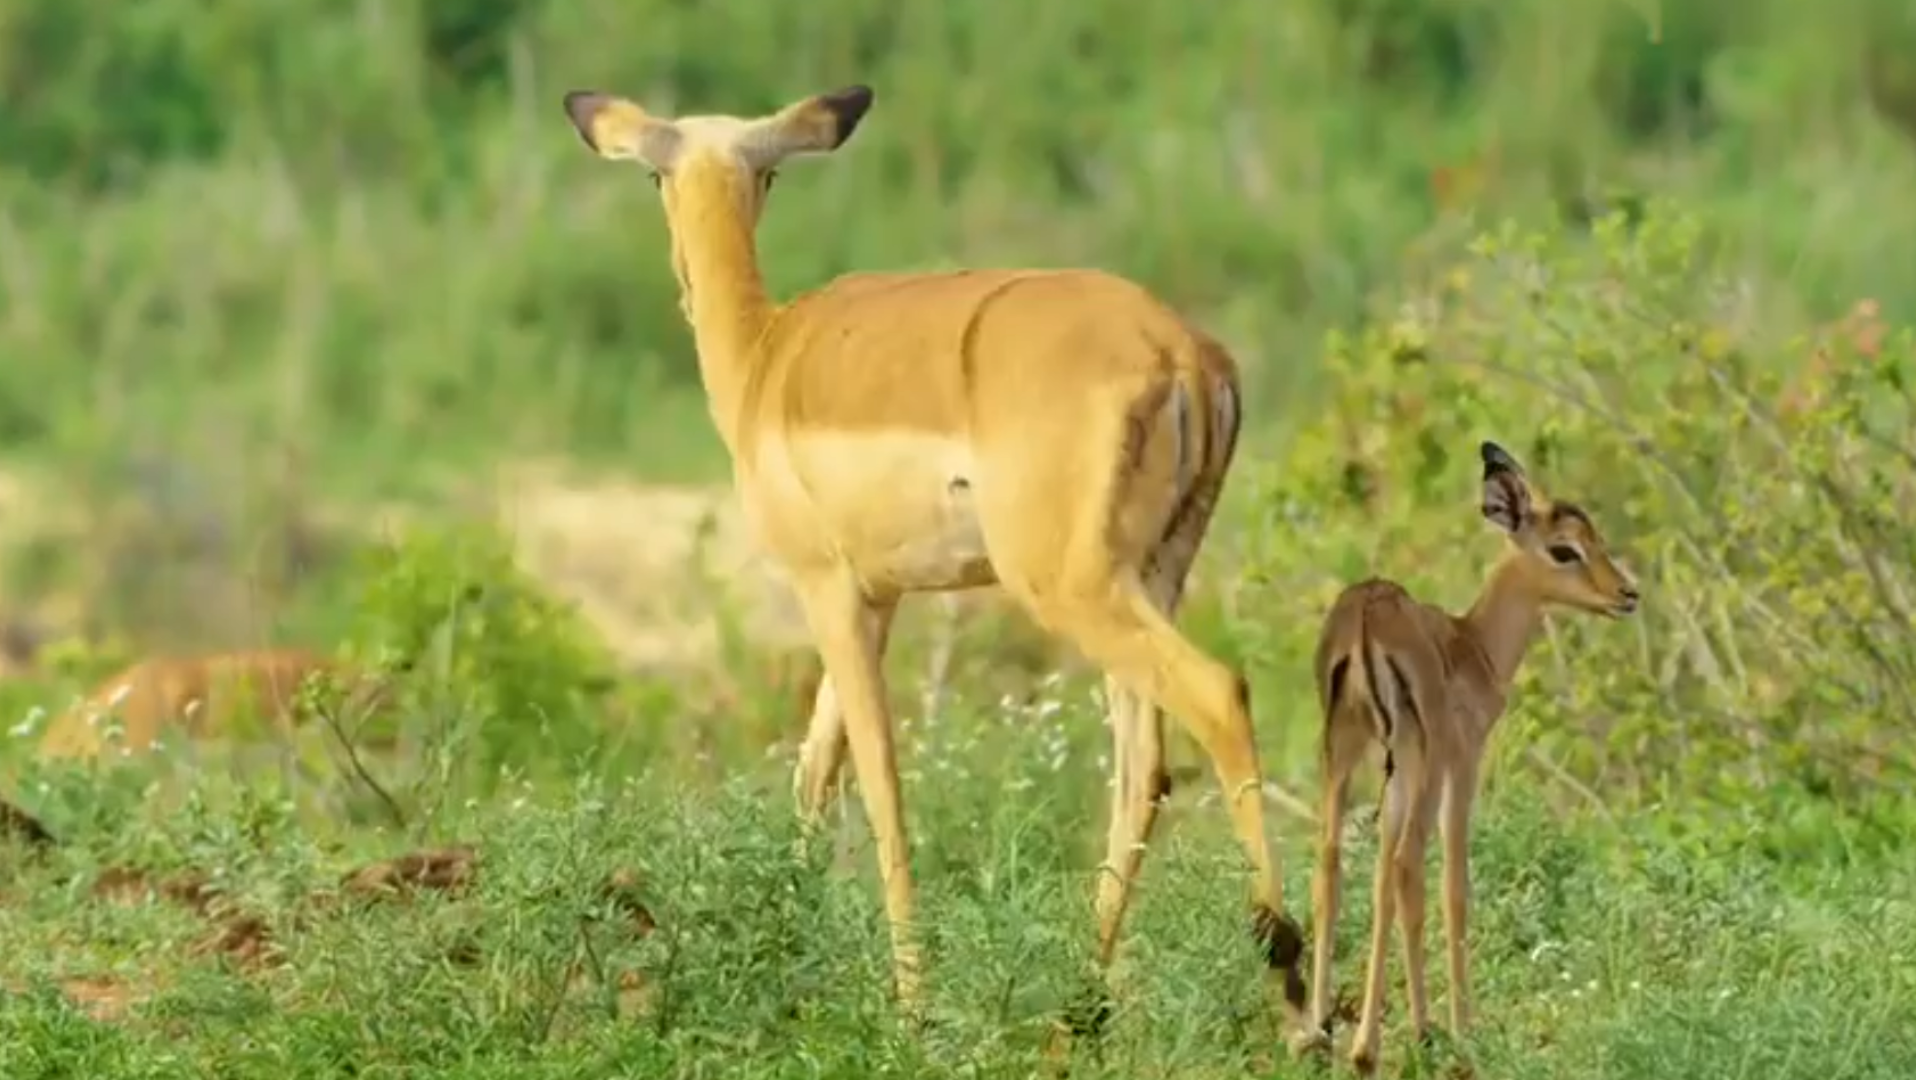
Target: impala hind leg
x=1119, y=628
x=1140, y=783
x=1138, y=787
x=1401, y=793
x=851, y=634
x=1345, y=740
x=944, y=642
x=1408, y=874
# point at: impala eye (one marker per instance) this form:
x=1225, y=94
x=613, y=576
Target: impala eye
x=770, y=176
x=656, y=181
x=1564, y=554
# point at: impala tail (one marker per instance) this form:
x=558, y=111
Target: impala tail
x=1365, y=663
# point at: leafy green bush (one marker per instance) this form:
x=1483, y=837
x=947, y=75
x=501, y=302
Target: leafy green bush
x=1754, y=479
x=488, y=671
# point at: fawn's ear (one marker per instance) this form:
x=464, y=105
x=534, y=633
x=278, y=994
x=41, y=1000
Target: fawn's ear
x=619, y=130
x=815, y=125
x=1507, y=500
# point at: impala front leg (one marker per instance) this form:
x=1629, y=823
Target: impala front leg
x=850, y=629
x=821, y=755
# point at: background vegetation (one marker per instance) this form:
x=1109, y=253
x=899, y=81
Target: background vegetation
x=273, y=277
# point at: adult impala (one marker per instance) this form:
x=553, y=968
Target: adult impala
x=1060, y=432
x=1430, y=686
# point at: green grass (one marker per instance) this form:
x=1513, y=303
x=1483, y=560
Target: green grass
x=1622, y=948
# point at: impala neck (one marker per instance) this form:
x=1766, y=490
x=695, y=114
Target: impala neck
x=1505, y=620
x=721, y=292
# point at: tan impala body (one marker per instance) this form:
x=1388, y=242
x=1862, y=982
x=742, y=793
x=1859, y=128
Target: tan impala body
x=1060, y=432
x=1430, y=686
x=195, y=697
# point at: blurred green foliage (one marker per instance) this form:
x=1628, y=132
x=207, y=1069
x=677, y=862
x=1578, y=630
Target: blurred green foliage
x=361, y=227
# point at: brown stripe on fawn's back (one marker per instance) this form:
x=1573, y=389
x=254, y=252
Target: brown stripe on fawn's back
x=1334, y=688
x=1418, y=720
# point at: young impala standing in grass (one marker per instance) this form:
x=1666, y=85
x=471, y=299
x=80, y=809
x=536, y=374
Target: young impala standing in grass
x=1429, y=686
x=1060, y=432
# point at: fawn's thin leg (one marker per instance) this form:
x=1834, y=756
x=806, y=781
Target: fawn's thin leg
x=1346, y=736
x=1399, y=799
x=1460, y=794
x=1408, y=874
x=848, y=628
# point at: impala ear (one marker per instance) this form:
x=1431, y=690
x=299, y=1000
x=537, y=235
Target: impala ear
x=619, y=130
x=816, y=125
x=1507, y=501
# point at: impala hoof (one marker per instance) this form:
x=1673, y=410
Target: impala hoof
x=1283, y=943
x=1311, y=1043
x=1086, y=1018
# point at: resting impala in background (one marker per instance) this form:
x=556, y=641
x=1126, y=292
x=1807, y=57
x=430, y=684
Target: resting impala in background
x=1060, y=432
x=197, y=697
x=1430, y=686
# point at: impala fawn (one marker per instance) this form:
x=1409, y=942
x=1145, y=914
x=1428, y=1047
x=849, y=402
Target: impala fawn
x=1429, y=686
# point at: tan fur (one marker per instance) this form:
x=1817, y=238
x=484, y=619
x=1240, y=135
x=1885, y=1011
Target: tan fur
x=1060, y=432
x=195, y=697
x=1429, y=686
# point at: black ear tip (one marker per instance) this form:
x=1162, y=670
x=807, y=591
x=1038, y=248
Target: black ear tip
x=1496, y=458
x=857, y=96
x=580, y=102
x=848, y=107
x=580, y=107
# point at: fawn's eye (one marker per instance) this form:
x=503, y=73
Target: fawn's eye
x=654, y=174
x=770, y=176
x=1564, y=554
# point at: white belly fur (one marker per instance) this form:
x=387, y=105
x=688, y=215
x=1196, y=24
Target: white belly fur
x=897, y=506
